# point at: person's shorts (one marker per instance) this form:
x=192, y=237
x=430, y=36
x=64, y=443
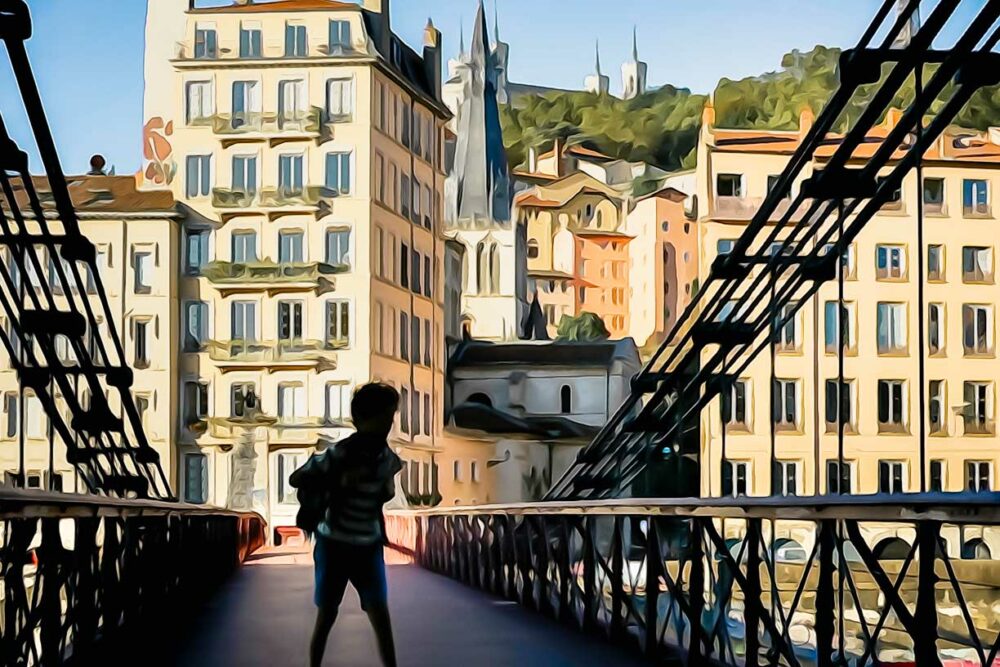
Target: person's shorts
x=338, y=563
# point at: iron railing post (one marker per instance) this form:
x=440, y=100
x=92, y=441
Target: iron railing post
x=925, y=616
x=589, y=576
x=825, y=602
x=696, y=587
x=617, y=576
x=654, y=565
x=752, y=593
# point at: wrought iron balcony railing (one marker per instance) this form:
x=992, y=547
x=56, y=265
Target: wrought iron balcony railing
x=308, y=123
x=273, y=277
x=235, y=354
x=820, y=581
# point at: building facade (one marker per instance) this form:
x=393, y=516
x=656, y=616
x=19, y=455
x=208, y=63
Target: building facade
x=306, y=139
x=880, y=406
x=479, y=192
x=137, y=237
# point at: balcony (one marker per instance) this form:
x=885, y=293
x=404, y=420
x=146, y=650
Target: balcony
x=274, y=202
x=745, y=208
x=271, y=277
x=270, y=356
x=227, y=53
x=978, y=425
x=274, y=128
x=276, y=430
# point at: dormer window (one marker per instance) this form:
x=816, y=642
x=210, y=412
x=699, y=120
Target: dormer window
x=296, y=42
x=206, y=43
x=340, y=37
x=395, y=53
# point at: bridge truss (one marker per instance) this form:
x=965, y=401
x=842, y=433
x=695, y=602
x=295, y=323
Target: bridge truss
x=62, y=341
x=751, y=293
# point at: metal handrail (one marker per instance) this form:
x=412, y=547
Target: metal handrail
x=32, y=504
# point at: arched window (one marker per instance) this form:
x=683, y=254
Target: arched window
x=482, y=270
x=600, y=218
x=532, y=249
x=976, y=549
x=892, y=548
x=566, y=399
x=480, y=399
x=494, y=269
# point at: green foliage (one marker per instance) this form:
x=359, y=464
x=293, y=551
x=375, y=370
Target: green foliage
x=584, y=327
x=661, y=127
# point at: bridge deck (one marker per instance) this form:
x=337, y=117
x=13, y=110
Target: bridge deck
x=264, y=616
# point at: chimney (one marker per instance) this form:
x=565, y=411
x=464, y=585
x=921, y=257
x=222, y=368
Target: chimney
x=384, y=36
x=892, y=117
x=533, y=160
x=806, y=120
x=433, y=57
x=97, y=165
x=708, y=114
x=557, y=153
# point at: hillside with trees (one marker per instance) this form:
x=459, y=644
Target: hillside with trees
x=661, y=127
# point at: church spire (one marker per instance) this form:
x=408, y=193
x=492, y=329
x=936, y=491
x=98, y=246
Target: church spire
x=635, y=45
x=496, y=21
x=597, y=54
x=461, y=39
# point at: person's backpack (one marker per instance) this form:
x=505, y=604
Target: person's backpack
x=314, y=491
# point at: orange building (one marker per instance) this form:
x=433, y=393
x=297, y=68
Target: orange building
x=602, y=270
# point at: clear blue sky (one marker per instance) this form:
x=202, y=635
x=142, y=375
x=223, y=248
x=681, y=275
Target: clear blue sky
x=87, y=54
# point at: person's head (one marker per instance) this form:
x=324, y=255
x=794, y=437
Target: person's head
x=373, y=408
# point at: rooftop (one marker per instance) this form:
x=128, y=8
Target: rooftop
x=544, y=353
x=101, y=194
x=279, y=6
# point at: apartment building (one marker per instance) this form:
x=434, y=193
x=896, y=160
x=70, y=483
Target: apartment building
x=306, y=138
x=880, y=404
x=137, y=237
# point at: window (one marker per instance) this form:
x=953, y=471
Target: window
x=404, y=418
x=785, y=480
x=339, y=100
x=245, y=174
x=195, y=479
x=978, y=476
x=934, y=195
x=250, y=42
x=456, y=470
x=195, y=325
x=287, y=463
x=200, y=101
x=772, y=183
x=415, y=268
x=891, y=328
x=405, y=196
x=291, y=401
x=427, y=342
x=404, y=265
x=890, y=477
x=239, y=393
x=404, y=335
x=291, y=102
x=787, y=334
x=977, y=264
x=197, y=251
x=735, y=403
x=428, y=283
x=977, y=329
x=890, y=262
x=415, y=413
x=290, y=247
x=415, y=336
x=206, y=45
x=935, y=263
x=340, y=37
x=566, y=400
x=734, y=478
x=895, y=201
x=338, y=323
x=296, y=45
x=846, y=403
x=847, y=264
x=34, y=417
x=338, y=173
x=935, y=328
x=140, y=339
x=337, y=398
x=978, y=407
x=195, y=402
x=289, y=320
x=891, y=403
x=724, y=246
x=199, y=176
x=338, y=247
x=975, y=198
x=143, y=262
x=729, y=185
x=937, y=477
x=838, y=477
x=831, y=332
x=936, y=410
x=10, y=408
x=427, y=422
x=784, y=403
x=246, y=104
x=244, y=321
x=290, y=175
x=244, y=247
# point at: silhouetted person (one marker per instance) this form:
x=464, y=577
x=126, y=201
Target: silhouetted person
x=356, y=478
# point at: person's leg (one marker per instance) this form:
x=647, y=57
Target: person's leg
x=370, y=582
x=331, y=582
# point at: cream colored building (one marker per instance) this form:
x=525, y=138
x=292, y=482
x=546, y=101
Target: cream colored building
x=306, y=137
x=881, y=445
x=137, y=237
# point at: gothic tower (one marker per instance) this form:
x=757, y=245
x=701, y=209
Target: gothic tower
x=597, y=83
x=634, y=73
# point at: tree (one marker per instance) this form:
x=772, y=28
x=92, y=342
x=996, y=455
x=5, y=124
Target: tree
x=584, y=327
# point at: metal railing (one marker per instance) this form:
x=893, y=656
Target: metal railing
x=79, y=572
x=838, y=580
